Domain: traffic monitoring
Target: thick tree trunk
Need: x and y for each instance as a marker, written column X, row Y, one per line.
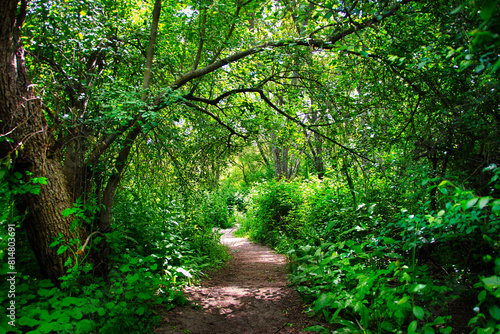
column 31, row 148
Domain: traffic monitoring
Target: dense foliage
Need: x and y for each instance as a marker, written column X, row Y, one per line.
column 359, row 137
column 385, row 266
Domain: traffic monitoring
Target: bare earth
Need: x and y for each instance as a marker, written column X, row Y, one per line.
column 249, row 295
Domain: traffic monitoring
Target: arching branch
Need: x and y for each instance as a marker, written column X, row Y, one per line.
column 281, row 112
column 215, row 117
column 326, row 44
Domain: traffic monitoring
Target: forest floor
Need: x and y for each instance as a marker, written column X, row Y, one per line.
column 250, row 294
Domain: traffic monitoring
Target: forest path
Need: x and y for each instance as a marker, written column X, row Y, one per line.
column 249, row 295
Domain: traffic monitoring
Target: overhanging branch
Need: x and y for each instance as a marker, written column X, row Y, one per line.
column 272, row 105
column 326, row 44
column 215, row 117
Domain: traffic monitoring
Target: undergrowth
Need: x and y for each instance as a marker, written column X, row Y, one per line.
column 156, row 248
column 391, row 265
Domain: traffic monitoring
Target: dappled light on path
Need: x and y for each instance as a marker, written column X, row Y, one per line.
column 250, row 295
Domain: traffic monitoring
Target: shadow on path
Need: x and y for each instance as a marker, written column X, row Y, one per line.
column 249, row 295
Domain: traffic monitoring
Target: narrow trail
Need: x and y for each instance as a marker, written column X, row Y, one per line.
column 249, row 295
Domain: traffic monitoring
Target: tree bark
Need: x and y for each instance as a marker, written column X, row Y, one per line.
column 31, row 148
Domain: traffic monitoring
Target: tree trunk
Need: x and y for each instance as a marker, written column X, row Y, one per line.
column 263, row 154
column 31, row 148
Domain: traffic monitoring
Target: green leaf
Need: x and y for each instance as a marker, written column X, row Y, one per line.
column 387, row 326
column 61, row 249
column 101, row 311
column 140, row 310
column 84, row 326
column 418, row 312
column 46, row 292
column 64, row 318
column 412, row 328
column 143, row 295
column 470, row 203
column 389, row 241
column 49, row 327
column 483, row 201
column 491, row 282
column 77, row 314
column 68, row 211
column 46, row 283
column 26, row 321
column 124, row 268
column 67, row 301
column 429, row 330
column 494, row 312
column 316, row 328
column 324, row 300
column 416, row 287
column 403, row 300
column 482, row 295
column 35, row 191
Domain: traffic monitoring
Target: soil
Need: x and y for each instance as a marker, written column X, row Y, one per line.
column 249, row 295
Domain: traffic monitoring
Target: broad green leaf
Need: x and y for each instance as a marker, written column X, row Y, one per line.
column 429, row 330
column 124, row 268
column 45, row 283
column 416, row 287
column 77, row 314
column 68, row 301
column 418, row 312
column 389, row 241
column 324, row 300
column 483, row 201
column 482, row 295
column 403, row 300
column 49, row 327
column 84, row 326
column 46, row 292
column 494, row 312
column 142, row 295
column 491, row 282
column 26, row 321
column 412, row 328
column 470, row 203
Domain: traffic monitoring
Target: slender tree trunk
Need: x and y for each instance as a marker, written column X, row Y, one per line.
column 100, row 258
column 349, row 182
column 31, row 148
column 278, row 172
column 263, row 154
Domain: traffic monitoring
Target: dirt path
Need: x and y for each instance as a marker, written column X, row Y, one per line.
column 249, row 295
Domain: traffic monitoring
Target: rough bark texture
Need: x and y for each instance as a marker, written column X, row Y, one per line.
column 30, row 146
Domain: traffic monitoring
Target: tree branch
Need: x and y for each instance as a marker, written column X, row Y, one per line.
column 215, row 117
column 202, row 39
column 272, row 105
column 309, row 42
